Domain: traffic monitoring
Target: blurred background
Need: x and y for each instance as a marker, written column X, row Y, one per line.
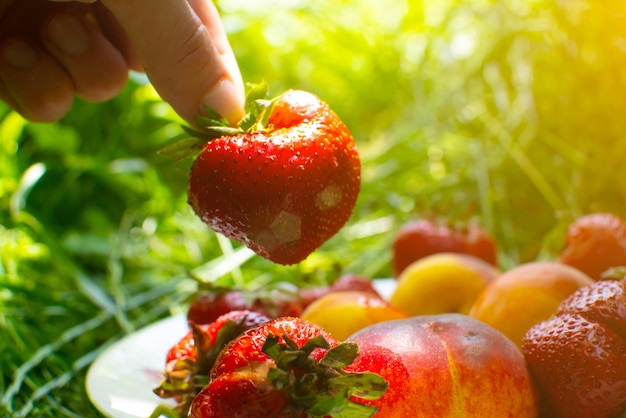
column 507, row 113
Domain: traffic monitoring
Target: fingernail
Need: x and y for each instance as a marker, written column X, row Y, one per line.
column 232, row 67
column 68, row 33
column 227, row 100
column 19, row 54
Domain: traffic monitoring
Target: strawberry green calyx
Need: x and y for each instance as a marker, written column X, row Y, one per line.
column 322, row 388
column 212, row 125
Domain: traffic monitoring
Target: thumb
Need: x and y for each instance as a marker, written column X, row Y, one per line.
column 185, row 53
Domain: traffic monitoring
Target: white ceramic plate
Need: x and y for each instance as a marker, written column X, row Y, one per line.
column 120, row 381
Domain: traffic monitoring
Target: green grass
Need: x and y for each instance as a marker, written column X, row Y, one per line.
column 509, row 113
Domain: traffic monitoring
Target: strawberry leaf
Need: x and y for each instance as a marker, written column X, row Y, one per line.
column 218, row 131
column 179, row 149
column 211, row 118
column 271, row 347
column 165, row 411
column 208, row 351
column 257, row 108
column 326, row 406
column 263, row 120
column 354, row 410
column 364, row 385
column 248, row 122
column 614, row 273
column 255, row 93
column 315, row 342
column 341, row 356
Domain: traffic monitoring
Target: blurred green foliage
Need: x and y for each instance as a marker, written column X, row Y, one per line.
column 508, row 113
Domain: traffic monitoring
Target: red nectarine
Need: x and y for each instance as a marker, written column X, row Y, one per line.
column 447, row 365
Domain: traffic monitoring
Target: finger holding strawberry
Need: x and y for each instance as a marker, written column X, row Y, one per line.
column 283, row 182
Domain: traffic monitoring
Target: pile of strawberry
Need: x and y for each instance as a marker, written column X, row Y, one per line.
column 218, row 316
column 245, row 364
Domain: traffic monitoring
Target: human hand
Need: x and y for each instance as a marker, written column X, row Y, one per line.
column 51, row 51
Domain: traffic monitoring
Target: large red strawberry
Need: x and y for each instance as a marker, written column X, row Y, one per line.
column 189, row 361
column 282, row 183
column 287, row 367
column 578, row 357
column 595, row 243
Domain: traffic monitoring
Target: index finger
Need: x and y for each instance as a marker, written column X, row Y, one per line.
column 185, row 52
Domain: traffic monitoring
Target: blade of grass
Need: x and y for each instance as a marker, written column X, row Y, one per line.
column 86, row 285
column 68, row 336
column 223, row 265
column 481, row 171
column 115, row 272
column 46, row 350
column 226, row 246
column 534, row 174
column 61, row 380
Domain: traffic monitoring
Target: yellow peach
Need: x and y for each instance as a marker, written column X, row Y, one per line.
column 442, row 283
column 343, row 313
column 526, row 295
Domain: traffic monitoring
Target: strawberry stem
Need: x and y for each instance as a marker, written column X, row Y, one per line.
column 212, row 125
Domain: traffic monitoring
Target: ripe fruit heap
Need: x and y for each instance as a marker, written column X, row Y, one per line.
column 287, row 367
column 578, row 357
column 440, row 365
column 283, row 182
